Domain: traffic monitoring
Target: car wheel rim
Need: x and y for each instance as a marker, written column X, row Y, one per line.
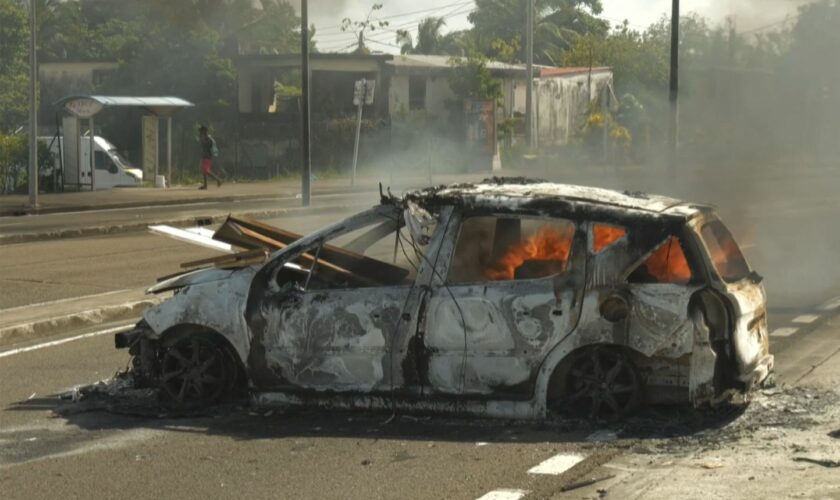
column 603, row 384
column 193, row 372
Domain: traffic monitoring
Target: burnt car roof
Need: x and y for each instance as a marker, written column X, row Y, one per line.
column 510, row 194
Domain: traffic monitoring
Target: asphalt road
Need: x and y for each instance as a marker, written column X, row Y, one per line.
column 240, row 453
column 65, row 268
column 120, row 217
column 786, row 223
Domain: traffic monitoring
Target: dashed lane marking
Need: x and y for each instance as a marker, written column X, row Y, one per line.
column 806, row 319
column 557, row 464
column 504, row 494
column 21, row 350
column 783, row 332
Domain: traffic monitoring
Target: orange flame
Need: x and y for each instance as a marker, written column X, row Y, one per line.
column 549, row 244
column 605, row 236
column 668, row 263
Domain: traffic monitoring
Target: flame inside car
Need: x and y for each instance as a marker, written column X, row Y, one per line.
column 547, row 249
column 668, row 263
column 604, row 236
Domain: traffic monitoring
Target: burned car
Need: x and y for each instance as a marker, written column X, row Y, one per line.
column 509, row 298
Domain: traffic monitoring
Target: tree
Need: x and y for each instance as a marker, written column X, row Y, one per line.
column 14, row 77
column 359, row 28
column 429, row 38
column 638, row 60
column 470, row 79
column 557, row 24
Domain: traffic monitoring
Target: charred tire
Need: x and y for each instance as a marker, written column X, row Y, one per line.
column 601, row 382
column 196, row 371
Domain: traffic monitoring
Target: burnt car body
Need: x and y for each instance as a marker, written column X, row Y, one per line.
column 508, row 298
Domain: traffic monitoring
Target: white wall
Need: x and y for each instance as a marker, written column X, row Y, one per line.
column 438, row 93
column 398, row 95
column 561, row 105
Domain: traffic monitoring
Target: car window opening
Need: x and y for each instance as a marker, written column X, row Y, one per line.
column 380, row 254
column 725, row 253
column 507, row 248
column 604, row 236
column 667, row 264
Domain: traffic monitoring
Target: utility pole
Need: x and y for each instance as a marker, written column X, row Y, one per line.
column 33, row 111
column 306, row 150
column 529, row 69
column 673, row 131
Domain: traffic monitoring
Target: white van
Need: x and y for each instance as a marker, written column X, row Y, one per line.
column 112, row 169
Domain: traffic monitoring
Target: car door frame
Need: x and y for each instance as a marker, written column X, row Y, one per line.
column 440, row 380
column 272, row 362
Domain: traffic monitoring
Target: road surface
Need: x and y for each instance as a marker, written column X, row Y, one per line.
column 788, row 225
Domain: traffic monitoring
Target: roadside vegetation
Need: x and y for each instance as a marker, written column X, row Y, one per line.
column 766, row 91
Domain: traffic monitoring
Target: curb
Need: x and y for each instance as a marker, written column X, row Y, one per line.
column 90, row 317
column 11, row 239
column 23, row 210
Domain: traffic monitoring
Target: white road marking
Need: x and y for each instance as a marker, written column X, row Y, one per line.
column 557, row 464
column 806, row 319
column 64, row 341
column 830, row 305
column 61, row 301
column 784, row 332
column 504, row 494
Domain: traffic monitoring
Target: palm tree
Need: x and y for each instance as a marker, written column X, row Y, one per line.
column 429, row 38
column 557, row 23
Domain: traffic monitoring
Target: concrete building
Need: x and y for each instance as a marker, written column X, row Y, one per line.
column 415, row 83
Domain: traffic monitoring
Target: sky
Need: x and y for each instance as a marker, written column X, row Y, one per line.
column 404, row 14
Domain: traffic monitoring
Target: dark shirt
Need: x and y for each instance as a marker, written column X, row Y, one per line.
column 206, row 147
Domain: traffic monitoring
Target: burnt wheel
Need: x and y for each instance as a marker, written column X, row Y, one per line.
column 195, row 372
column 603, row 383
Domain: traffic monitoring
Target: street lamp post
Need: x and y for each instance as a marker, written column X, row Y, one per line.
column 306, row 151
column 673, row 131
column 33, row 111
column 529, row 77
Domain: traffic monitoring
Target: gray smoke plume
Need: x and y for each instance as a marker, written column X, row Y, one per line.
column 751, row 14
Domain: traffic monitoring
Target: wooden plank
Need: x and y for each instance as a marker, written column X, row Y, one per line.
column 322, row 263
column 230, row 233
column 356, row 263
column 228, row 259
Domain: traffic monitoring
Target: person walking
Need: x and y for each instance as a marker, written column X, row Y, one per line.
column 209, row 150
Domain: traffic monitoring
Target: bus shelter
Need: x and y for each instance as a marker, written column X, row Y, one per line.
column 86, row 107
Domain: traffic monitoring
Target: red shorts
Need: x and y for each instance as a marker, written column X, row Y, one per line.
column 206, row 165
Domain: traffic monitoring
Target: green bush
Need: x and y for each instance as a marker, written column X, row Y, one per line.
column 14, row 160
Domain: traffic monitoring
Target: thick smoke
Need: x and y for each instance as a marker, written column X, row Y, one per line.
column 750, row 14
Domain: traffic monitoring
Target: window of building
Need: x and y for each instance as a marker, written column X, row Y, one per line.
column 417, row 92
column 667, row 264
column 507, row 248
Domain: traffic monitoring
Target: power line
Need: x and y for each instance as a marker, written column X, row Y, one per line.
column 786, row 20
column 385, row 33
column 404, row 14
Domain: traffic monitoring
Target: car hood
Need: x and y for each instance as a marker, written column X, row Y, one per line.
column 136, row 172
column 191, row 278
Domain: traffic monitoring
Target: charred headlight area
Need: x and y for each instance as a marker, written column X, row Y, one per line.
column 144, row 350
